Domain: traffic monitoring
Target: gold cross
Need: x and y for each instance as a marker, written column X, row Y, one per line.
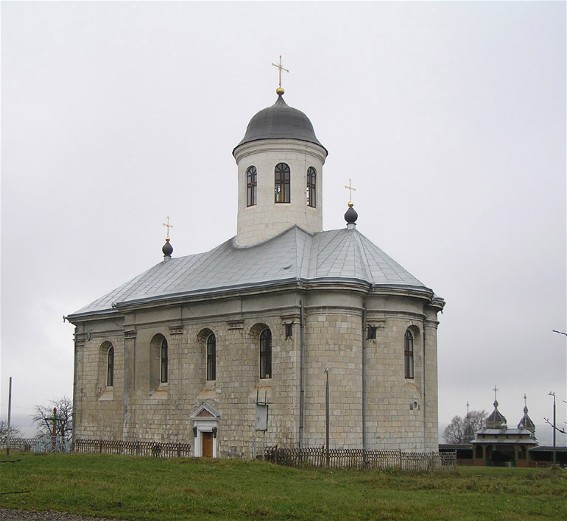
column 280, row 69
column 350, row 189
column 168, row 226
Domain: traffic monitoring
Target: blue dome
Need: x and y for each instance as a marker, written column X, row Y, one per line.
column 280, row 121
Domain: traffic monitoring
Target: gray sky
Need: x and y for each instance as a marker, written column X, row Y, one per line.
column 449, row 118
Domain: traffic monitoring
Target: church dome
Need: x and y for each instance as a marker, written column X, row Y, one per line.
column 496, row 420
column 526, row 422
column 280, row 121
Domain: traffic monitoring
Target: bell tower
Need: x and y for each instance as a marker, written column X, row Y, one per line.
column 280, row 174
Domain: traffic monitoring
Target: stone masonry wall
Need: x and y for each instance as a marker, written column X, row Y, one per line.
column 401, row 413
column 333, row 341
column 98, row 408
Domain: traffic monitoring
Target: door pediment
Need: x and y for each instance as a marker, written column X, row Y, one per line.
column 204, row 411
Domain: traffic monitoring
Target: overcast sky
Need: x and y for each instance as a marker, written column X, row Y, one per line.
column 449, row 118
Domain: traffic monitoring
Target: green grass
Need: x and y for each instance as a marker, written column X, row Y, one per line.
column 157, row 489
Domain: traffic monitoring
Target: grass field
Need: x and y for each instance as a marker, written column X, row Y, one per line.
column 158, row 489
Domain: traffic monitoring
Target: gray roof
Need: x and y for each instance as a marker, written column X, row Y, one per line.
column 497, row 436
column 294, row 255
column 280, row 121
column 507, row 432
column 550, row 448
column 505, row 441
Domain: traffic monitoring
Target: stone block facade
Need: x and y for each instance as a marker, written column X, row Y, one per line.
column 371, row 401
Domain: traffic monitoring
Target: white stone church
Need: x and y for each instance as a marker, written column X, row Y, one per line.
column 231, row 349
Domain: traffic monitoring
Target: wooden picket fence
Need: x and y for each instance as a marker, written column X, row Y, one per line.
column 361, row 459
column 133, row 448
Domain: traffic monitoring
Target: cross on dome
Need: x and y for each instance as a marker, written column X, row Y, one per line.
column 525, row 404
column 167, row 247
column 168, row 226
column 280, row 90
column 350, row 189
column 351, row 215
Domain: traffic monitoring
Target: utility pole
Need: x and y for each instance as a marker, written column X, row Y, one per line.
column 554, row 429
column 327, row 416
column 9, row 417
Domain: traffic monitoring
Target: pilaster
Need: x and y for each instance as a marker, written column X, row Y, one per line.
column 129, row 417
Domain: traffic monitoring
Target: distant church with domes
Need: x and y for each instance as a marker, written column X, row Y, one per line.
column 496, row 444
column 230, row 350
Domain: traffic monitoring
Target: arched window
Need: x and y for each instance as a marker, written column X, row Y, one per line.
column 211, row 357
column 266, row 354
column 408, row 354
column 281, row 188
column 110, row 367
column 251, row 186
column 311, row 187
column 163, row 361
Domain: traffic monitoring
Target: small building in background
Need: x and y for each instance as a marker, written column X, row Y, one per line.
column 498, row 445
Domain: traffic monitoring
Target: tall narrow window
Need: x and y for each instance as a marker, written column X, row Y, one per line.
column 266, row 354
column 163, row 361
column 251, row 186
column 408, row 354
column 281, row 188
column 211, row 357
column 311, row 187
column 110, row 367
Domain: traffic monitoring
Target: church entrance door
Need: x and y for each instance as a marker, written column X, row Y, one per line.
column 207, row 444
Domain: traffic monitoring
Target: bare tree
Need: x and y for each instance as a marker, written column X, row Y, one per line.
column 562, row 431
column 462, row 430
column 14, row 431
column 56, row 417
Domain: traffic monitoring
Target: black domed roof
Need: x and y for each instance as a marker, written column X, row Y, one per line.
column 280, row 121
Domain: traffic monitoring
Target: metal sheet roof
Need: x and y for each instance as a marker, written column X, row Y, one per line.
column 506, row 432
column 505, row 441
column 280, row 121
column 336, row 255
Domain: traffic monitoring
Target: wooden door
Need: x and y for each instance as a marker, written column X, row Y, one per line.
column 207, row 444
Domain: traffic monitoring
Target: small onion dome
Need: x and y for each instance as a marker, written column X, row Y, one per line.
column 496, row 420
column 167, row 249
column 350, row 215
column 526, row 422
